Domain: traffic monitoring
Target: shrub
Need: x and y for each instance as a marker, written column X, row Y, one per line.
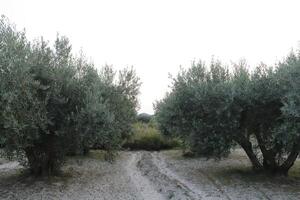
column 144, row 117
column 213, row 110
column 149, row 138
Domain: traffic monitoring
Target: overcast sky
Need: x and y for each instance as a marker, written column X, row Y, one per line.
column 157, row 36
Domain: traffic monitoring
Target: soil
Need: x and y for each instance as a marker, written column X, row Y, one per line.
column 150, row 176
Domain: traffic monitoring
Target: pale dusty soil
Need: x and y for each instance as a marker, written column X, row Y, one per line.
column 150, row 176
column 86, row 178
column 231, row 178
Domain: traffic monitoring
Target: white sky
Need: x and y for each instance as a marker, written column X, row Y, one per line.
column 157, row 36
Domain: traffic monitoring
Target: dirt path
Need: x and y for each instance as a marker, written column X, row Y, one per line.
column 162, row 181
column 135, row 176
column 145, row 175
column 144, row 186
column 173, row 186
column 217, row 189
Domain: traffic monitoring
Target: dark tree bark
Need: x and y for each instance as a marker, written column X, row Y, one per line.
column 269, row 163
column 44, row 160
column 289, row 162
column 247, row 146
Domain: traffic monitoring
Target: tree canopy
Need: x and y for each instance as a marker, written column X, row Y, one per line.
column 54, row 103
column 214, row 109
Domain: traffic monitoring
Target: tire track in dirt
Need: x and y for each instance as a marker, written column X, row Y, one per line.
column 147, row 191
column 162, row 166
column 159, row 160
column 216, row 185
column 167, row 184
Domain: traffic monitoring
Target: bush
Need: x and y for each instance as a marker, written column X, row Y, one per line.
column 144, row 117
column 53, row 103
column 213, row 109
column 149, row 138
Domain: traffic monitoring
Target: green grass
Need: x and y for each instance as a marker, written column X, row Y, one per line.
column 147, row 137
column 295, row 170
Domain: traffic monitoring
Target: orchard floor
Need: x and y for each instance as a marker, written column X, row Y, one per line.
column 150, row 175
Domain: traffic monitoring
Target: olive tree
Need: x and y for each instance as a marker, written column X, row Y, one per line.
column 53, row 103
column 214, row 110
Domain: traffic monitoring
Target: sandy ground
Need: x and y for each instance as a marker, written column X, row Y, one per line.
column 85, row 178
column 149, row 176
column 231, row 178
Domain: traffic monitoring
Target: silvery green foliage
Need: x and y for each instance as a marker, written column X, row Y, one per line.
column 53, row 103
column 288, row 72
column 212, row 110
column 194, row 109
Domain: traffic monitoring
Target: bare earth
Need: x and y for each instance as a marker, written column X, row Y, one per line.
column 150, row 176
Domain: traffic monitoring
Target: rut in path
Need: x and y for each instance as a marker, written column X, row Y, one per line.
column 166, row 184
column 147, row 191
column 160, row 162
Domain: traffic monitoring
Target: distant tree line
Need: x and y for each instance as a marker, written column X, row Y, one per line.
column 144, row 117
column 214, row 108
column 54, row 103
